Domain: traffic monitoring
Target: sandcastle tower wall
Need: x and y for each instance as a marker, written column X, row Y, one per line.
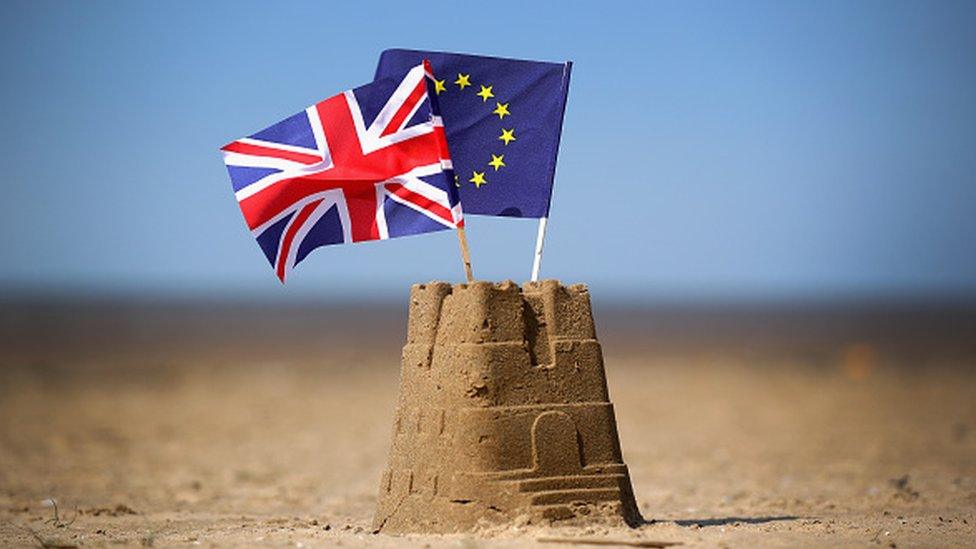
column 503, row 411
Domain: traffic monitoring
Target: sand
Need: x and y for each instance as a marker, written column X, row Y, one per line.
column 503, row 414
column 230, row 425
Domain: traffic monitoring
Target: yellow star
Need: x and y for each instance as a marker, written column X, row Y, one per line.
column 463, row 80
column 507, row 135
column 478, row 178
column 501, row 110
column 456, row 183
column 439, row 86
column 497, row 161
column 485, row 93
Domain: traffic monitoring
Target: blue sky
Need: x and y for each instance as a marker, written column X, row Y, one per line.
column 710, row 150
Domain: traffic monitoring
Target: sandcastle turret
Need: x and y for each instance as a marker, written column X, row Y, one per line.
column 503, row 412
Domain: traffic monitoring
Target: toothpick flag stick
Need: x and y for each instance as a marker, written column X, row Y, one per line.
column 465, row 254
column 537, row 262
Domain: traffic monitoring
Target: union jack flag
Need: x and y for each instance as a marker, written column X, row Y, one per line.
column 367, row 164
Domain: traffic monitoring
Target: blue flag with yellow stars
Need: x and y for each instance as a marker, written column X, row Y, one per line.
column 503, row 118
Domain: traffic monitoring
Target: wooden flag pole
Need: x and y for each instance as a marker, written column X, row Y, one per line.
column 540, row 238
column 465, row 254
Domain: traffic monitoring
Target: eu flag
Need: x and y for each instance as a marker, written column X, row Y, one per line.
column 503, row 118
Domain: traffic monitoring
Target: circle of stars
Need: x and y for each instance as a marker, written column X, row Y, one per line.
column 485, row 92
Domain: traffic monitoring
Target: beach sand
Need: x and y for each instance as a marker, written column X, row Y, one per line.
column 162, row 424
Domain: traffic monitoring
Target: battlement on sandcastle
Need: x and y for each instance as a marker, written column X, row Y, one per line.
column 503, row 413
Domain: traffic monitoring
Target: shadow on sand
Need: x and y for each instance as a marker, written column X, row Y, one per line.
column 724, row 521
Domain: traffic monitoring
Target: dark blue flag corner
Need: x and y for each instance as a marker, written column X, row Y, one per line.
column 503, row 119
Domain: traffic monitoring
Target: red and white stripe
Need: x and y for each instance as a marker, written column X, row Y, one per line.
column 386, row 160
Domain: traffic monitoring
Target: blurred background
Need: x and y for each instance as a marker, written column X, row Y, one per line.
column 712, row 151
column 774, row 205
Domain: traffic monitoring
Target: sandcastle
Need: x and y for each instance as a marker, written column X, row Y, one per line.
column 503, row 413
